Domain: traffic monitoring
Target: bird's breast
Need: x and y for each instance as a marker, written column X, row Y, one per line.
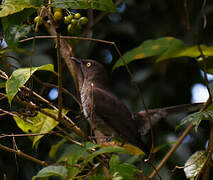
column 88, row 106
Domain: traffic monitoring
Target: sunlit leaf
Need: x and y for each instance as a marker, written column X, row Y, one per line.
column 194, row 164
column 162, row 146
column 14, row 6
column 59, row 171
column 40, row 123
column 130, row 149
column 19, row 77
column 103, row 5
column 163, row 49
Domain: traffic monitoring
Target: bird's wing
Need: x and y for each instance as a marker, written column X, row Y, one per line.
column 114, row 113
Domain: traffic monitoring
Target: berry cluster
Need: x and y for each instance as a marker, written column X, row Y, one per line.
column 58, row 14
column 74, row 21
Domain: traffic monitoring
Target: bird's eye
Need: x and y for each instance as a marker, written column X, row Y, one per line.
column 89, row 64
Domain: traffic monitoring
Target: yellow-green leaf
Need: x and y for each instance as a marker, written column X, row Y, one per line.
column 163, row 48
column 40, row 123
column 19, row 77
column 130, row 149
column 103, row 5
column 13, row 6
column 54, row 148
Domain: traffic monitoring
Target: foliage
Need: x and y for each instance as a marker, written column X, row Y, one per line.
column 194, row 164
column 20, row 77
column 39, row 124
column 103, row 5
column 73, row 155
column 164, row 48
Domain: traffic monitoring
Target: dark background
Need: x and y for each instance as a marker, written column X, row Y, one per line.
column 163, row 84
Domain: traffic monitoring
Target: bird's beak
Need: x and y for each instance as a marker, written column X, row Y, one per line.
column 75, row 59
column 78, row 71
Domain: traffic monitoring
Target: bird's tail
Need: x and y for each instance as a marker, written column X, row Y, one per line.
column 142, row 118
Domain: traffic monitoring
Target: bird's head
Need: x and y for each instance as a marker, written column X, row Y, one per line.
column 92, row 71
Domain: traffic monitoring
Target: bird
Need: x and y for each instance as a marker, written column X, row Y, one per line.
column 106, row 113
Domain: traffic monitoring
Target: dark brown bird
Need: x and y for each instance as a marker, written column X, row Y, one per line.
column 106, row 113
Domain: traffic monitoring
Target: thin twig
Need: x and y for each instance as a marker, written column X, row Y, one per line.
column 10, row 113
column 171, row 151
column 192, row 163
column 206, row 167
column 202, row 11
column 4, row 75
column 188, row 25
column 59, row 78
column 26, row 135
column 205, row 70
column 141, row 98
column 12, row 57
column 55, row 86
column 102, row 15
column 21, row 154
column 67, row 37
column 181, row 138
column 69, row 137
column 178, row 142
column 67, row 122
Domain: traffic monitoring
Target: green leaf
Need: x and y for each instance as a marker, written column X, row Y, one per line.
column 19, row 77
column 15, row 33
column 77, row 155
column 97, row 177
column 36, row 3
column 150, row 48
column 2, row 84
column 163, row 48
column 193, row 51
column 60, row 171
column 194, row 164
column 103, row 5
column 54, row 148
column 13, row 6
column 113, row 163
column 122, row 171
column 74, row 152
column 73, row 155
column 194, row 118
column 197, row 117
column 14, row 29
column 114, row 149
column 40, row 123
column 162, row 146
